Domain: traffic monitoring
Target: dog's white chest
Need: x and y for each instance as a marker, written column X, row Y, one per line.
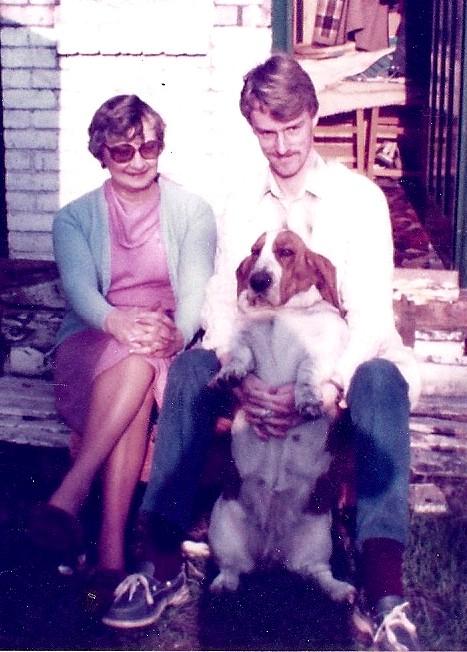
column 278, row 346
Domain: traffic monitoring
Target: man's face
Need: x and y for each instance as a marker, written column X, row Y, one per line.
column 286, row 145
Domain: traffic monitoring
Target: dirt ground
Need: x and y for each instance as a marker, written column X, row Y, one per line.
column 41, row 609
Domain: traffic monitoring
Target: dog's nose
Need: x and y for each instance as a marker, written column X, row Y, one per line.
column 260, row 281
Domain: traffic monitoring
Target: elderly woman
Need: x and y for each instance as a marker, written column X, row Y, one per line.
column 134, row 258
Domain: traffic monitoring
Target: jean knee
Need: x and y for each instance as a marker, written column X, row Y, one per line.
column 194, row 364
column 378, row 379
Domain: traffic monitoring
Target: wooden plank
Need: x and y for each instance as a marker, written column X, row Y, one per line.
column 437, row 442
column 45, row 294
column 439, row 426
column 429, row 465
column 427, row 498
column 441, row 315
column 449, row 407
column 25, row 388
column 443, row 379
column 40, row 432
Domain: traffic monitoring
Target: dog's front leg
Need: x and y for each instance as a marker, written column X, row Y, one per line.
column 240, row 363
column 308, row 397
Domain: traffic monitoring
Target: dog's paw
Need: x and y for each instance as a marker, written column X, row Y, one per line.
column 343, row 592
column 227, row 378
column 225, row 581
column 308, row 401
column 311, row 407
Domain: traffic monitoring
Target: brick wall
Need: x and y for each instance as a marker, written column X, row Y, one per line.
column 62, row 58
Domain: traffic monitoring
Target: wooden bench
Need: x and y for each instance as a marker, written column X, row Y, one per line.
column 431, row 316
column 438, row 429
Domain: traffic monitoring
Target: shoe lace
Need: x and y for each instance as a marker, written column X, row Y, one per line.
column 397, row 617
column 131, row 583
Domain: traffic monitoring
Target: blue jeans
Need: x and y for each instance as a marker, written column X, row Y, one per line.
column 379, row 413
column 184, row 428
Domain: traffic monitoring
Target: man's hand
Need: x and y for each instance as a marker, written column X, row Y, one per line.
column 270, row 410
column 333, row 398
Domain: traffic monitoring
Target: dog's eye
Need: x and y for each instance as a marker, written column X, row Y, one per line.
column 283, row 252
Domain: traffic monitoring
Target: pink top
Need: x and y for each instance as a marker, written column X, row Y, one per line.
column 139, row 269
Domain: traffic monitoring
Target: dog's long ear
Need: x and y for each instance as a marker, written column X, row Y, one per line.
column 245, row 267
column 326, row 277
column 243, row 273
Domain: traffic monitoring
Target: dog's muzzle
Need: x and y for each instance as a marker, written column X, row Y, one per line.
column 260, row 281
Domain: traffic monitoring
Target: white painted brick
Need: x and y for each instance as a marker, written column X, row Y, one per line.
column 35, row 242
column 28, row 255
column 226, row 15
column 31, row 139
column 256, row 16
column 240, row 3
column 31, row 181
column 24, row 221
column 47, row 202
column 15, row 2
column 43, row 36
column 45, row 79
column 16, row 119
column 28, row 15
column 46, row 161
column 29, row 99
column 45, row 119
column 171, row 26
column 16, row 78
column 17, row 159
column 39, row 57
column 20, row 201
column 251, row 46
column 14, row 36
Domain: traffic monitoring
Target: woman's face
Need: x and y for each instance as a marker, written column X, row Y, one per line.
column 138, row 174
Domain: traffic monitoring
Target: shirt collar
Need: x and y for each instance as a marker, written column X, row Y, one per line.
column 314, row 182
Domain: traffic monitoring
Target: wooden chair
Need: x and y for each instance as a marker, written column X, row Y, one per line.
column 389, row 124
column 342, row 137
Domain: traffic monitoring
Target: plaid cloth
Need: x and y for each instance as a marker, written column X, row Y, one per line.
column 328, row 18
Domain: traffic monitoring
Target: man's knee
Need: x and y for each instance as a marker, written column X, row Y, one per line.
column 195, row 365
column 378, row 378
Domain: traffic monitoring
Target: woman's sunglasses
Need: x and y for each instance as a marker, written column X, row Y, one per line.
column 125, row 152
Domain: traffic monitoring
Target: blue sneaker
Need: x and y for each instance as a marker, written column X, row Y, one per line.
column 141, row 599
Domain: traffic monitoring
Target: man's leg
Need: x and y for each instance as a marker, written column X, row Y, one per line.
column 379, row 413
column 184, row 429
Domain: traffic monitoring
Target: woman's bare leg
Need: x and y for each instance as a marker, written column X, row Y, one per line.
column 120, row 475
column 117, row 397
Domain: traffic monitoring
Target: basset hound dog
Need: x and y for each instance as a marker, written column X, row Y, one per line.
column 290, row 331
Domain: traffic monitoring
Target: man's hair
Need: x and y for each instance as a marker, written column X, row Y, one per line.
column 122, row 116
column 280, row 87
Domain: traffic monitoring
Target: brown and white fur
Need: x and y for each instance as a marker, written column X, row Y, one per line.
column 290, row 332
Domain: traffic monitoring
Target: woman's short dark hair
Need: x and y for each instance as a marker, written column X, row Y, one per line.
column 122, row 116
column 279, row 86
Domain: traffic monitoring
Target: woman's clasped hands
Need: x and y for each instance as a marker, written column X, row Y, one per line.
column 145, row 332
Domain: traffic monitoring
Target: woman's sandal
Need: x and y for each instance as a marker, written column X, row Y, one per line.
column 55, row 530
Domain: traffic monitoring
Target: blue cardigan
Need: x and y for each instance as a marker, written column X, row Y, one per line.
column 82, row 252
